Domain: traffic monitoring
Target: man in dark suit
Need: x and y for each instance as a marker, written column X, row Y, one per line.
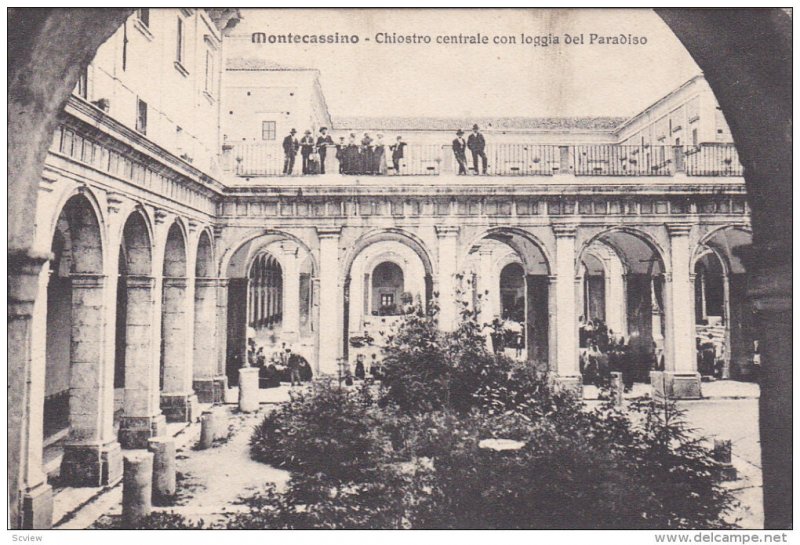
column 323, row 141
column 477, row 145
column 290, row 147
column 460, row 151
column 397, row 153
column 306, row 149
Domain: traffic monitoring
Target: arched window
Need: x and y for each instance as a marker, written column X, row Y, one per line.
column 387, row 289
column 265, row 287
column 512, row 292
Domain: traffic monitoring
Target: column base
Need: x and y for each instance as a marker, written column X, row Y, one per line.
column 91, row 465
column 675, row 385
column 37, row 508
column 179, row 407
column 572, row 384
column 134, row 431
column 210, row 390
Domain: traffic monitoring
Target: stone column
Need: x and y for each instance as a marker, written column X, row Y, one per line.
column 680, row 379
column 142, row 415
column 615, row 299
column 448, row 252
column 486, row 286
column 726, row 317
column 566, row 326
column 221, row 378
column 30, row 497
column 90, row 458
column 178, row 402
column 330, row 334
column 291, row 294
column 204, row 351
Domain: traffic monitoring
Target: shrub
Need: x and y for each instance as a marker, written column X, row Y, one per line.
column 415, row 460
column 157, row 520
column 330, row 429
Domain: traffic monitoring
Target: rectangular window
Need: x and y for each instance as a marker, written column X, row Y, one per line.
column 143, row 14
column 83, row 83
column 179, row 45
column 268, row 130
column 209, row 81
column 141, row 116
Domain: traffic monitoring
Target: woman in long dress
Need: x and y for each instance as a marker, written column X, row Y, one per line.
column 351, row 156
column 366, row 155
column 379, row 156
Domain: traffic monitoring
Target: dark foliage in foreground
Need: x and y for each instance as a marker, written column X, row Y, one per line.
column 457, row 437
column 415, row 458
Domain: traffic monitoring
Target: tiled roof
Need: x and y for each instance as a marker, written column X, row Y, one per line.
column 258, row 64
column 485, row 123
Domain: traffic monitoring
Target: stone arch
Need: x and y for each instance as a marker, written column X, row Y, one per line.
column 362, row 312
column 391, row 234
column 175, row 369
column 727, row 255
column 208, row 381
column 90, row 199
column 175, row 252
column 137, row 244
column 270, row 235
column 482, row 288
column 612, row 237
column 75, row 377
column 502, row 234
column 204, row 256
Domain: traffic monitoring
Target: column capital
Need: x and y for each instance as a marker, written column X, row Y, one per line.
column 329, row 232
column 87, row 281
column 446, row 231
column 175, row 282
column 140, row 281
column 679, row 229
column 206, row 282
column 564, row 230
column 24, row 267
column 223, row 282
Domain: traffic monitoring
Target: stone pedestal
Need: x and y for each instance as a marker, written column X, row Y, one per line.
column 617, row 387
column 180, row 407
column 137, row 487
column 675, row 385
column 210, row 390
column 208, row 430
column 134, row 431
column 91, row 465
column 248, row 389
column 37, row 508
column 572, row 384
column 722, row 454
column 164, row 487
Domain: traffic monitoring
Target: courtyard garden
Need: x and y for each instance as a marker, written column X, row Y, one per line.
column 456, row 437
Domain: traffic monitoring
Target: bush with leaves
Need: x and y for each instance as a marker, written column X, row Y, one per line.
column 416, row 460
column 329, row 429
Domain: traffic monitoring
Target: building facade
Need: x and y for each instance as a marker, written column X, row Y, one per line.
column 173, row 240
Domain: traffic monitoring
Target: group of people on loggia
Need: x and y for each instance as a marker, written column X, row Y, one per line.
column 366, row 156
column 371, row 156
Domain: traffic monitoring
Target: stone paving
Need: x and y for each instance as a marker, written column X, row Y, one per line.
column 210, row 481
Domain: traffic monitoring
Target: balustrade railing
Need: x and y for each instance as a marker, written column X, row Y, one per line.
column 613, row 160
column 257, row 159
column 712, row 160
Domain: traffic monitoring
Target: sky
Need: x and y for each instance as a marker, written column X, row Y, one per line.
column 492, row 80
